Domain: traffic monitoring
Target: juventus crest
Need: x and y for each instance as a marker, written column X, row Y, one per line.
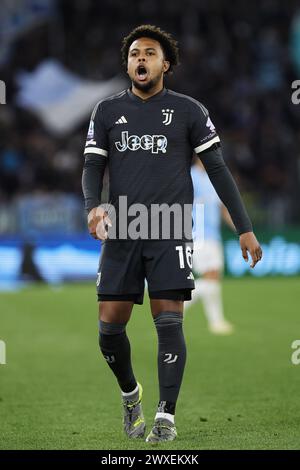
column 167, row 114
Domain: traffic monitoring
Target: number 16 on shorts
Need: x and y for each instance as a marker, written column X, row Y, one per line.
column 185, row 255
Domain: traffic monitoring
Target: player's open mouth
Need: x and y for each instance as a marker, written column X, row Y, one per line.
column 141, row 73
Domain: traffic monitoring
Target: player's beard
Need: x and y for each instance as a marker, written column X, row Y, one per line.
column 148, row 85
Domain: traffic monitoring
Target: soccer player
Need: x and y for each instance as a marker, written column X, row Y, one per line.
column 208, row 259
column 147, row 135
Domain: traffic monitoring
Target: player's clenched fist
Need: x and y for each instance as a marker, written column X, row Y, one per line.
column 98, row 221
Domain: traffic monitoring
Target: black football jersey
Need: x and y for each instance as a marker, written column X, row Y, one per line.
column 149, row 145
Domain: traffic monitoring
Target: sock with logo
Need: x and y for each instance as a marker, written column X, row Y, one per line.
column 115, row 347
column 171, row 361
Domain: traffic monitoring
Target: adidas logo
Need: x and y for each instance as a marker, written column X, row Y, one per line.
column 191, row 276
column 122, row 120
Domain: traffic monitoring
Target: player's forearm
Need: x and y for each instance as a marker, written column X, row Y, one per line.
column 226, row 189
column 92, row 180
column 227, row 219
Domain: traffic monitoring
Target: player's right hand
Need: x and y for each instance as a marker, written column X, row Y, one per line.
column 98, row 221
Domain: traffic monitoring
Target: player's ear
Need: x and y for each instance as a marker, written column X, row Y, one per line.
column 166, row 66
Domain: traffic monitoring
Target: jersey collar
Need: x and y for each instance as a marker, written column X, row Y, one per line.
column 136, row 98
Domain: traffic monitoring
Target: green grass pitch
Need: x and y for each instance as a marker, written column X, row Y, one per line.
column 239, row 392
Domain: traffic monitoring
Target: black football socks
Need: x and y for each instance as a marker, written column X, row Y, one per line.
column 115, row 347
column 171, row 361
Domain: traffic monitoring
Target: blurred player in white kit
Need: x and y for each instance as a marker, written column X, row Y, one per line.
column 208, row 258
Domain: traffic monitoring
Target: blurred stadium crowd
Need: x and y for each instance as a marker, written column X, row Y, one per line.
column 239, row 58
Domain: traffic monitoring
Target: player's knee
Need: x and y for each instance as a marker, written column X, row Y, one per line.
column 165, row 305
column 115, row 312
column 105, row 312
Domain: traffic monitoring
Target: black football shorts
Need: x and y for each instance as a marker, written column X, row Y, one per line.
column 125, row 264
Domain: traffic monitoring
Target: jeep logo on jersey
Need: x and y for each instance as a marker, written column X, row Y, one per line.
column 155, row 143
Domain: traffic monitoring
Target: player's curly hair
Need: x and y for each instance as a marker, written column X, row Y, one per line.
column 168, row 44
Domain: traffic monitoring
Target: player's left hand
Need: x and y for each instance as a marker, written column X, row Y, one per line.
column 250, row 244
